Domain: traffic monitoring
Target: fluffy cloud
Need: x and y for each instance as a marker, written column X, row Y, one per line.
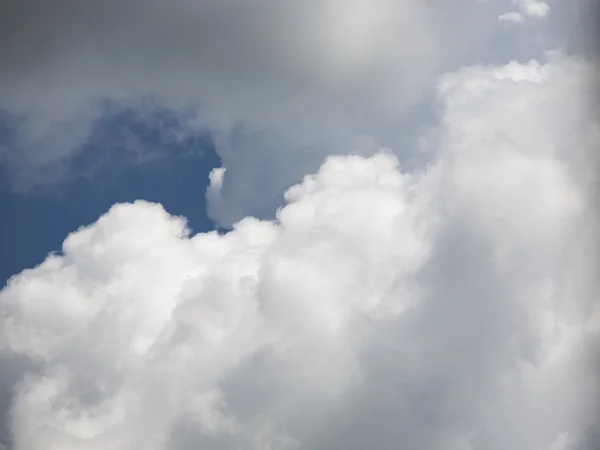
column 533, row 8
column 512, row 16
column 526, row 8
column 435, row 308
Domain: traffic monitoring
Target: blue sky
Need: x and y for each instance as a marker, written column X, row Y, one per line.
column 35, row 223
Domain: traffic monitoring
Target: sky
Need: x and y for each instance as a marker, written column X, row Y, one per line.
column 107, row 171
column 328, row 224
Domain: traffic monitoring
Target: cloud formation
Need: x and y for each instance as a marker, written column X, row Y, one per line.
column 58, row 59
column 512, row 16
column 434, row 308
column 278, row 86
column 533, row 8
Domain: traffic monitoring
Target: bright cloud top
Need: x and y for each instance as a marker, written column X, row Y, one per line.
column 384, row 308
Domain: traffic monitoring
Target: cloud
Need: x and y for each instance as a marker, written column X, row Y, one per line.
column 384, row 307
column 278, row 86
column 232, row 58
column 533, row 8
column 513, row 16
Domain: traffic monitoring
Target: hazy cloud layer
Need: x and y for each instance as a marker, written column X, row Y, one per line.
column 447, row 307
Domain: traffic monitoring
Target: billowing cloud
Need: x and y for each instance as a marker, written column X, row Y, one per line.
column 384, row 308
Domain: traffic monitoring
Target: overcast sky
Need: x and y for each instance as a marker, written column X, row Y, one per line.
column 327, row 224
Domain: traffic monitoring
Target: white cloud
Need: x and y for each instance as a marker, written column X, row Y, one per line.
column 512, row 16
column 384, row 308
column 533, row 8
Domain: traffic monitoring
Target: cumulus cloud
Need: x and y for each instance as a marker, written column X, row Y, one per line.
column 383, row 308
